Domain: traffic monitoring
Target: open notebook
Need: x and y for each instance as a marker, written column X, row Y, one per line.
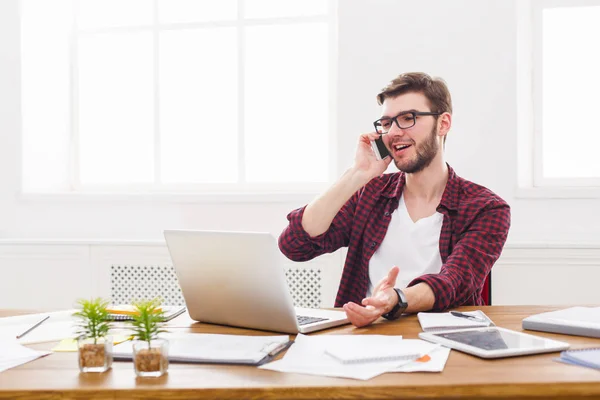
column 431, row 322
column 124, row 312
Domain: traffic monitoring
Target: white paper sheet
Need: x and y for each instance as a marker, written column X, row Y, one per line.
column 382, row 348
column 60, row 325
column 307, row 356
column 433, row 362
column 13, row 355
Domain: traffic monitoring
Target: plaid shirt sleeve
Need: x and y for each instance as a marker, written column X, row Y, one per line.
column 297, row 245
column 471, row 259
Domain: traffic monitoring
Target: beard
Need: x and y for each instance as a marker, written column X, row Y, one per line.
column 426, row 152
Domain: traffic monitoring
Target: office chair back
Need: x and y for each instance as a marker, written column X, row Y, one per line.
column 486, row 294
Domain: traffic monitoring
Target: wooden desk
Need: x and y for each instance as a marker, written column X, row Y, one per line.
column 57, row 375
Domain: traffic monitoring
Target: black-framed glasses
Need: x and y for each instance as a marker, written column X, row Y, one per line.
column 404, row 120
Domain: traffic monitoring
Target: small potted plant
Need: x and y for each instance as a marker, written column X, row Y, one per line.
column 150, row 353
column 93, row 342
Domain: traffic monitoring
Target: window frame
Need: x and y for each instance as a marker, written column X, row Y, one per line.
column 532, row 183
column 241, row 191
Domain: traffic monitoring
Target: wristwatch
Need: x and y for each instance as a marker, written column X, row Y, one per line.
column 399, row 308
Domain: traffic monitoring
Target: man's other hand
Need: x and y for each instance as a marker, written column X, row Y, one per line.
column 382, row 300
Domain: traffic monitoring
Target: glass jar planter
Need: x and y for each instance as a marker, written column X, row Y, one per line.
column 95, row 354
column 151, row 359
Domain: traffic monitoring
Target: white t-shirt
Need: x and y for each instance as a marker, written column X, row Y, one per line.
column 412, row 246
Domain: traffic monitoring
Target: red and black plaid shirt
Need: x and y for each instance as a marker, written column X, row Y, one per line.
column 476, row 223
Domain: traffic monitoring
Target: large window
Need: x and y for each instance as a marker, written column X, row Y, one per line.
column 172, row 95
column 566, row 84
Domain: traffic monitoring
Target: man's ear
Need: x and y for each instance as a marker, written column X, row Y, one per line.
column 444, row 123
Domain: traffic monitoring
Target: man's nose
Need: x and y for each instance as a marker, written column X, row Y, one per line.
column 395, row 130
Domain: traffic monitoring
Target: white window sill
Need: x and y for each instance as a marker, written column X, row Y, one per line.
column 558, row 193
column 80, row 242
column 201, row 198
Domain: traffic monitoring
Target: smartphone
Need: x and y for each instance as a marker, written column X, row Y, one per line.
column 379, row 148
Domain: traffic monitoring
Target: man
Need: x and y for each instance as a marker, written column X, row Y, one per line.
column 438, row 232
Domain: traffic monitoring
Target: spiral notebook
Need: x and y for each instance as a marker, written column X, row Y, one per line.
column 385, row 348
column 431, row 322
column 122, row 313
column 589, row 358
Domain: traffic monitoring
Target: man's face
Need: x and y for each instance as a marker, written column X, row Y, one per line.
column 413, row 148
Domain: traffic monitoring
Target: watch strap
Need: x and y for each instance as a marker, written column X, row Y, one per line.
column 399, row 308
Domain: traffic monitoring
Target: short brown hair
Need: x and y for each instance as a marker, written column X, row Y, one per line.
column 434, row 89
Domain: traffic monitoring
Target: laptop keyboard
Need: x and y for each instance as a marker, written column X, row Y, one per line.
column 304, row 320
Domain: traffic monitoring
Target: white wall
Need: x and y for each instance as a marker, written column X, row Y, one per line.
column 470, row 43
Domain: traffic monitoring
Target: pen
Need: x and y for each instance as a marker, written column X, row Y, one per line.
column 280, row 348
column 33, row 327
column 467, row 316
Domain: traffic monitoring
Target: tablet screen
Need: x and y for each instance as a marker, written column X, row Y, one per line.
column 493, row 339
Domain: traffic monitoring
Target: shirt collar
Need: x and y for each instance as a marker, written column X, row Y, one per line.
column 450, row 196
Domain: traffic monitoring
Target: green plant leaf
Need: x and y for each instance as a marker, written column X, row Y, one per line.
column 148, row 320
column 92, row 318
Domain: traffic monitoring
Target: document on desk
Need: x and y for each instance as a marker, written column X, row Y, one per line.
column 308, row 355
column 13, row 354
column 432, row 362
column 60, row 325
column 215, row 348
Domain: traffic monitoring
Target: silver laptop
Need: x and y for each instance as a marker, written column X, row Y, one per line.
column 238, row 279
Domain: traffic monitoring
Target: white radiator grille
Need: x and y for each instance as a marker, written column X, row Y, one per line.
column 132, row 282
column 305, row 286
column 137, row 282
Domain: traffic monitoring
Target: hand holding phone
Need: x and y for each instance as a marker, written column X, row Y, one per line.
column 379, row 148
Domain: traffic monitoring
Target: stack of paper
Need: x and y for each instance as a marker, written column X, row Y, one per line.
column 368, row 355
column 13, row 355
